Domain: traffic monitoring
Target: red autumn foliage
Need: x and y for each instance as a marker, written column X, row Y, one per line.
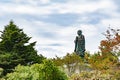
column 112, row 41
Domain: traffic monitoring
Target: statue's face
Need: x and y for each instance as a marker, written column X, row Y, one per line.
column 79, row 32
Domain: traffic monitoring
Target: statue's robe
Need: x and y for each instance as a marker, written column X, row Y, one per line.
column 80, row 45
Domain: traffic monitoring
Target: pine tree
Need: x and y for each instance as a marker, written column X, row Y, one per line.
column 15, row 48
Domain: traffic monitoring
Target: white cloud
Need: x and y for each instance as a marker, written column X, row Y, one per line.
column 74, row 7
column 45, row 1
column 113, row 23
column 69, row 7
column 43, row 42
column 25, row 9
column 32, row 2
column 89, row 30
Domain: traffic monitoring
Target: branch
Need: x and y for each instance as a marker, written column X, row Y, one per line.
column 1, row 31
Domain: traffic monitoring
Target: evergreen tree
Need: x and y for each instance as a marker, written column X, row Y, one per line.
column 15, row 48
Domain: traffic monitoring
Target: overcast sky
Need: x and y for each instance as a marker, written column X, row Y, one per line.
column 54, row 23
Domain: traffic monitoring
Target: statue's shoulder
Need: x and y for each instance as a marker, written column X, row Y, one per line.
column 82, row 36
column 76, row 37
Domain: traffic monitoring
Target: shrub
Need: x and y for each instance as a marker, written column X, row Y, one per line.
column 45, row 71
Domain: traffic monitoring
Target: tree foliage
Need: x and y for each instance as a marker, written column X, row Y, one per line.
column 98, row 62
column 45, row 71
column 111, row 45
column 69, row 63
column 15, row 48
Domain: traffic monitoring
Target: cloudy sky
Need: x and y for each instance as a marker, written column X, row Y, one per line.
column 54, row 23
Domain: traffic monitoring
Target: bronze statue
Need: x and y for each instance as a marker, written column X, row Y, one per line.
column 80, row 44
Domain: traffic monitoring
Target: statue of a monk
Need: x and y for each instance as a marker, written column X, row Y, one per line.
column 80, row 44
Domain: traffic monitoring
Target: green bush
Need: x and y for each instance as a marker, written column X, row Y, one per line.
column 45, row 71
column 1, row 71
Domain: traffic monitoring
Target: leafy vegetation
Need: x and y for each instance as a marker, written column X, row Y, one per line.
column 111, row 45
column 45, row 71
column 15, row 48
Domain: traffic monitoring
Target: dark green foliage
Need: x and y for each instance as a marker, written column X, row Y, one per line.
column 15, row 48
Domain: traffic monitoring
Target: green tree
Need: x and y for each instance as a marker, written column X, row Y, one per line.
column 15, row 48
column 58, row 61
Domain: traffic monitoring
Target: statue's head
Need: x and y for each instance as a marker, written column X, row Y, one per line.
column 79, row 32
